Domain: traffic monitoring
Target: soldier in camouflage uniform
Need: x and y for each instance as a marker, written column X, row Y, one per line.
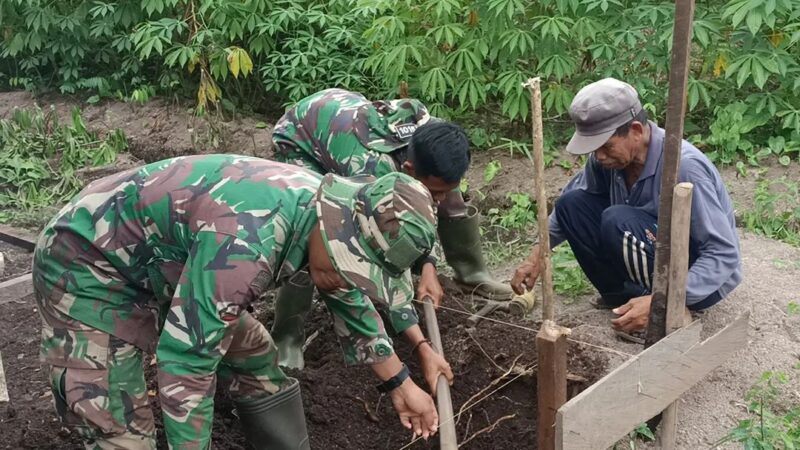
column 166, row 258
column 341, row 132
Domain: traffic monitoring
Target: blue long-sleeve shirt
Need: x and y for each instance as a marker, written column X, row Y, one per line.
column 712, row 233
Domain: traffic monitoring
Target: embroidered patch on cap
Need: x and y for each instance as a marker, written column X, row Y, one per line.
column 405, row 131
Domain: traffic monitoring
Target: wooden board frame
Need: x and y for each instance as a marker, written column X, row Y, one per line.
column 644, row 385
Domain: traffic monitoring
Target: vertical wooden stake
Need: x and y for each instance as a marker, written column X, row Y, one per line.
column 551, row 380
column 551, row 341
column 676, row 109
column 676, row 295
column 3, row 385
column 548, row 310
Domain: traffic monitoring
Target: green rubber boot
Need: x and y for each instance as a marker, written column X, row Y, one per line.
column 292, row 303
column 275, row 422
column 461, row 242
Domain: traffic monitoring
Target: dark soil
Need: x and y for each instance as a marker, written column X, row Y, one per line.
column 17, row 261
column 336, row 397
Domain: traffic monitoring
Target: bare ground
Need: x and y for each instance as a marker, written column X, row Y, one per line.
column 158, row 130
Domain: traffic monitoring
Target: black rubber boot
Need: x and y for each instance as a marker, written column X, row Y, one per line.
column 275, row 422
column 292, row 303
column 461, row 242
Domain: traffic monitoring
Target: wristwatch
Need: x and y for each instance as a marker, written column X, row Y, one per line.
column 394, row 382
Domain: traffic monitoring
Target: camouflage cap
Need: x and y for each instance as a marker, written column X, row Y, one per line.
column 391, row 124
column 374, row 231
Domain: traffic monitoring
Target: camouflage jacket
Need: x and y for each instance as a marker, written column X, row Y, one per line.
column 169, row 254
column 341, row 132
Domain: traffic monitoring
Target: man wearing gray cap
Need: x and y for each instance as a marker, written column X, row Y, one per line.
column 609, row 212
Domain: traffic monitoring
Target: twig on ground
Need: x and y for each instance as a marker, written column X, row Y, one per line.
column 310, row 340
column 372, row 417
column 378, row 404
column 480, row 347
column 488, row 429
column 494, row 382
column 469, row 421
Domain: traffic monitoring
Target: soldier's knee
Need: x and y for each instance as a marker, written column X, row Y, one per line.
column 86, row 404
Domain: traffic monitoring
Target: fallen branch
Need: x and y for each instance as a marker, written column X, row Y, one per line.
column 488, row 429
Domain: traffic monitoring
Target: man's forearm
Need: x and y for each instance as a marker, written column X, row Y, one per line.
column 414, row 335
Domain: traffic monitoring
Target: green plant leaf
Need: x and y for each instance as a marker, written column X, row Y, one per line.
column 491, row 171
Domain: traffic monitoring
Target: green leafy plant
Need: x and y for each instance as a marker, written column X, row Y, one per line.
column 481, row 138
column 568, row 278
column 640, row 433
column 776, row 212
column 728, row 133
column 40, row 159
column 491, row 170
column 766, row 428
column 520, row 216
column 464, row 58
column 514, row 147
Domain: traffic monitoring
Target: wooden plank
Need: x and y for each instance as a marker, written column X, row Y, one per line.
column 3, row 385
column 20, row 238
column 551, row 380
column 644, row 385
column 548, row 308
column 676, row 294
column 16, row 288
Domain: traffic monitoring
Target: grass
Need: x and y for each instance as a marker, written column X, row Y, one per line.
column 40, row 159
column 768, row 425
column 508, row 239
column 776, row 213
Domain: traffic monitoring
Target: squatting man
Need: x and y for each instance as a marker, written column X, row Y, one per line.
column 608, row 212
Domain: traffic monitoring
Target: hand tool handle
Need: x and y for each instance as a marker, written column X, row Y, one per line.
column 444, row 403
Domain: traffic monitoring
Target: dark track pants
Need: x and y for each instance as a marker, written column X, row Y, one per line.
column 614, row 245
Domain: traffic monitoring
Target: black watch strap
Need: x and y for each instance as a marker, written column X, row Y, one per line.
column 394, row 382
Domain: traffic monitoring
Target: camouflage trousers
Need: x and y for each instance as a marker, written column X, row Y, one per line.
column 99, row 387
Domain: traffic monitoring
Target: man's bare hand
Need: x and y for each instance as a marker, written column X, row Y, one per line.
column 429, row 285
column 634, row 315
column 416, row 409
column 433, row 364
column 527, row 272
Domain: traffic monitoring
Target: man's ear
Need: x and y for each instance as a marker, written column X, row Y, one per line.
column 638, row 128
column 408, row 168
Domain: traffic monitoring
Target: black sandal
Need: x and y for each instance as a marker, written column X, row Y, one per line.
column 636, row 337
column 599, row 303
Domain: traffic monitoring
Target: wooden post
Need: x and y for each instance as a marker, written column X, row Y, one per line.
column 679, row 259
column 551, row 380
column 676, row 296
column 551, row 341
column 548, row 310
column 3, row 385
column 676, row 109
column 444, row 403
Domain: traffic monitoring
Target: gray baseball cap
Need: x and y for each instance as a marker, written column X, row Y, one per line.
column 598, row 110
